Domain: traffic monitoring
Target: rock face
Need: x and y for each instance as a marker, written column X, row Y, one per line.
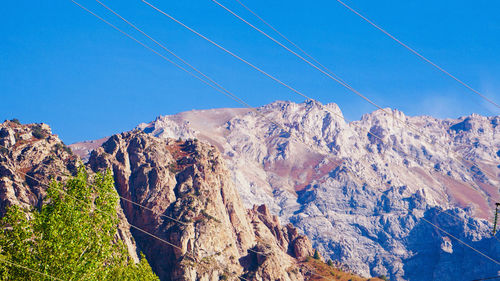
column 32, row 150
column 30, row 156
column 359, row 190
column 190, row 203
column 193, row 205
column 83, row 149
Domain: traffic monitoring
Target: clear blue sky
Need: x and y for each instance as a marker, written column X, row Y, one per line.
column 61, row 66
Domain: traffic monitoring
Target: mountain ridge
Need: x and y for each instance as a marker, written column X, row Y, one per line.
column 361, row 196
column 178, row 205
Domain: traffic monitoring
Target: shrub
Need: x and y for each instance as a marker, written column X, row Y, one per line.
column 38, row 132
column 316, row 255
column 15, row 121
column 383, row 277
column 330, row 262
column 62, row 146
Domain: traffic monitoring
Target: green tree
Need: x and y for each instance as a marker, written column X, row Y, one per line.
column 16, row 121
column 316, row 255
column 72, row 236
column 383, row 277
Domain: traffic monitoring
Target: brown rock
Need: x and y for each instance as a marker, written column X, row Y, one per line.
column 187, row 181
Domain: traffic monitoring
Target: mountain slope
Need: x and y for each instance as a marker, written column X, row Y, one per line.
column 195, row 206
column 361, row 197
column 201, row 229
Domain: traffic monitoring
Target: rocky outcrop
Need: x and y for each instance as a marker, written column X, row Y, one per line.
column 191, row 203
column 359, row 189
column 30, row 155
column 83, row 149
column 177, row 202
column 287, row 237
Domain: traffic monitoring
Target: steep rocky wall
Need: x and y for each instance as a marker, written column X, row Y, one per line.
column 337, row 181
column 30, row 157
column 40, row 155
column 187, row 200
column 213, row 233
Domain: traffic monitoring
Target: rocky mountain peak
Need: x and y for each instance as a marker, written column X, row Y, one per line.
column 196, row 207
column 29, row 156
column 329, row 177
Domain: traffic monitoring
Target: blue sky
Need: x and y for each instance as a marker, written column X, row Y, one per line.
column 61, row 66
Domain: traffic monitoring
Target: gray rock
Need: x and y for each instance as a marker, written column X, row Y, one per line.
column 359, row 190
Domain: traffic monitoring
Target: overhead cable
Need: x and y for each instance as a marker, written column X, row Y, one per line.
column 415, row 130
column 2, row 259
column 419, row 54
column 424, row 220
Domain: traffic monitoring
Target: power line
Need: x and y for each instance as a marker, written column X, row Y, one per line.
column 248, row 63
column 343, row 83
column 172, row 53
column 464, row 220
column 439, row 228
column 151, row 210
column 418, row 54
column 198, row 72
column 126, row 221
column 235, row 55
column 338, row 80
column 288, row 40
column 298, row 92
column 158, row 237
column 144, row 45
column 244, row 103
column 191, row 66
column 2, row 259
column 447, row 233
column 219, row 88
column 227, row 92
column 87, row 203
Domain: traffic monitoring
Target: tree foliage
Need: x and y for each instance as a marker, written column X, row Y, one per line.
column 71, row 237
column 316, row 255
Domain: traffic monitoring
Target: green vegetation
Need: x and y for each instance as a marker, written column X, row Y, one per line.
column 15, row 121
column 330, row 263
column 316, row 255
column 72, row 236
column 38, row 132
column 209, row 217
column 329, row 273
column 383, row 277
column 63, row 147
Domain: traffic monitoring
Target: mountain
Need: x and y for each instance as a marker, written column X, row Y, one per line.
column 196, row 207
column 178, row 205
column 365, row 192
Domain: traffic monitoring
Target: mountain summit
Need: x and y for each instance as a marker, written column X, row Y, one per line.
column 359, row 190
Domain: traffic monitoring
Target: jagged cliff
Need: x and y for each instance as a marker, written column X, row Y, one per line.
column 188, row 182
column 359, row 190
column 30, row 157
column 187, row 199
column 30, row 149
